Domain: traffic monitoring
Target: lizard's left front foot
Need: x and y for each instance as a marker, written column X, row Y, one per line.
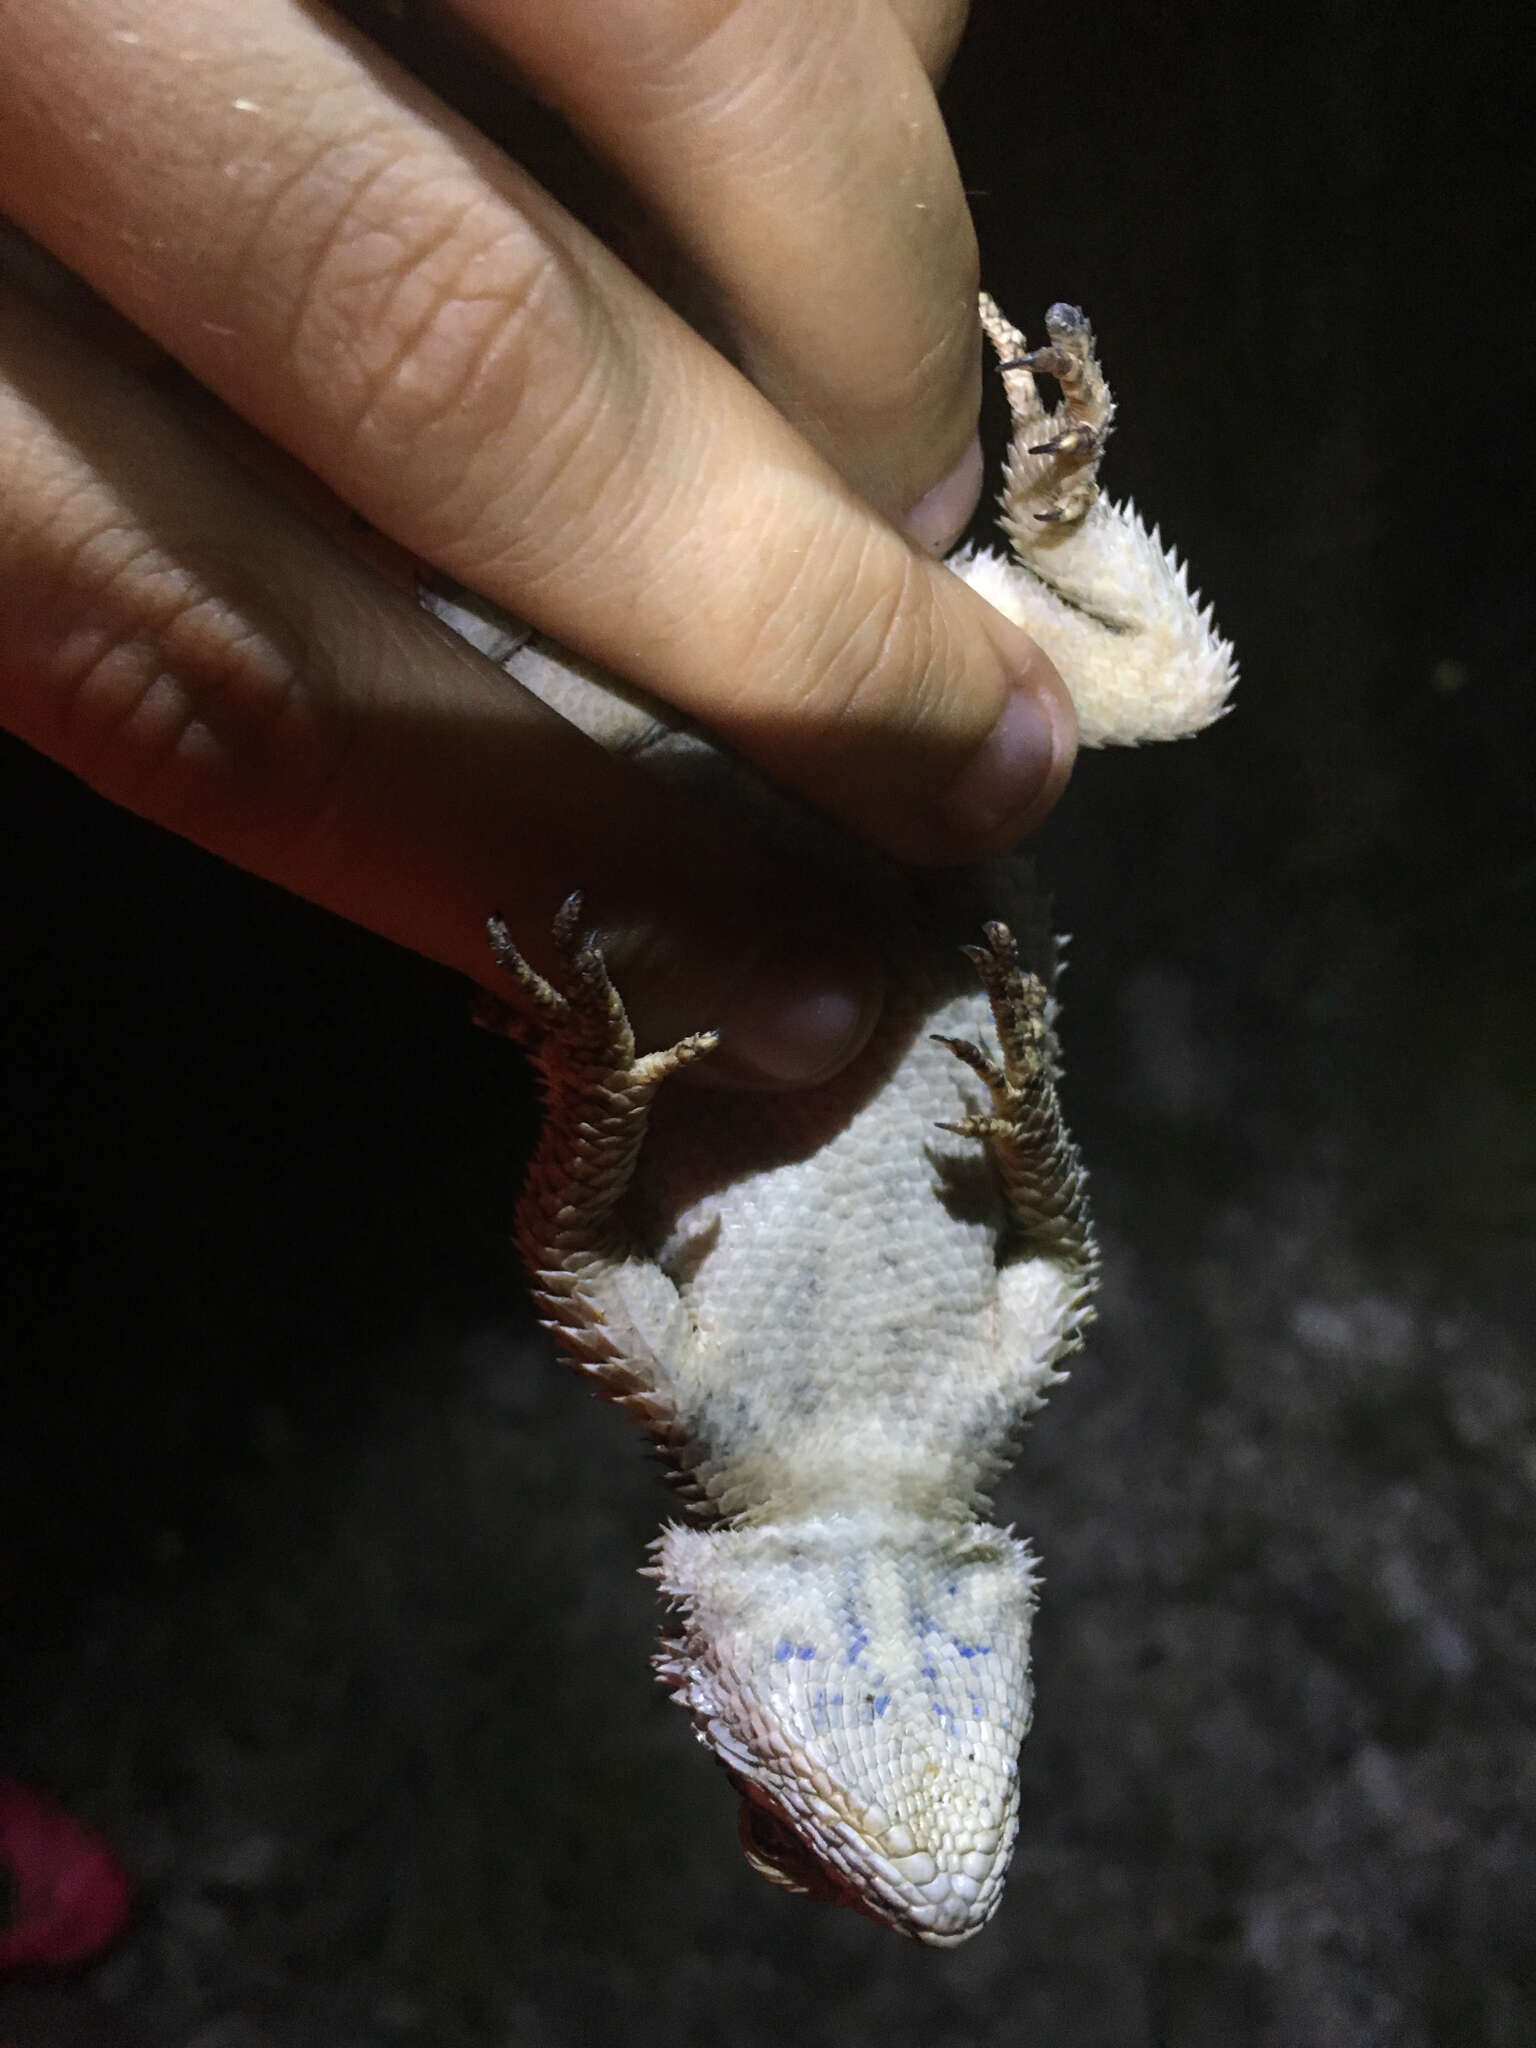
column 583, row 1023
column 1038, row 1162
column 598, row 1094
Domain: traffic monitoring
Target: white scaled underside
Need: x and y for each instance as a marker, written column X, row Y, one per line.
column 835, row 1315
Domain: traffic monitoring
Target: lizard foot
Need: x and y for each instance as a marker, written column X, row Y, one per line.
column 598, row 1094
column 1024, row 1131
column 1017, row 999
column 1064, row 486
column 583, row 1023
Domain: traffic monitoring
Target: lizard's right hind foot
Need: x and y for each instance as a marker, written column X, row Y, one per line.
column 1023, row 1128
column 1052, row 481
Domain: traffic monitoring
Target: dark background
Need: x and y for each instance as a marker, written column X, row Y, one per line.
column 317, row 1582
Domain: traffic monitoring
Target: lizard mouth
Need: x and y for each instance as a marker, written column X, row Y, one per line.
column 940, row 1906
column 777, row 1852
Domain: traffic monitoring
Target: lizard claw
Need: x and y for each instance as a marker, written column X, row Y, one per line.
column 1023, row 1129
column 586, row 1016
column 1075, row 441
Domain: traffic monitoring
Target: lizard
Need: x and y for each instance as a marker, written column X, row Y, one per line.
column 835, row 1310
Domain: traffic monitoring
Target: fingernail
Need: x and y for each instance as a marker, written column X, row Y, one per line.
column 797, row 1021
column 941, row 515
column 995, row 798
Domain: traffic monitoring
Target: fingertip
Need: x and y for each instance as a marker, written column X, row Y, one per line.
column 1011, row 783
column 941, row 515
column 793, row 984
column 797, row 1018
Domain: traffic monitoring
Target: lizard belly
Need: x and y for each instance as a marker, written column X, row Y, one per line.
column 862, row 1330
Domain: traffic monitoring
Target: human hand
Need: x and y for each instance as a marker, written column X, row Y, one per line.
column 408, row 318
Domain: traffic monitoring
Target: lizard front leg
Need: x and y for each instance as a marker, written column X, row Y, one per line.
column 1037, row 1162
column 610, row 1309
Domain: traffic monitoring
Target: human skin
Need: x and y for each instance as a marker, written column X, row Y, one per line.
column 386, row 320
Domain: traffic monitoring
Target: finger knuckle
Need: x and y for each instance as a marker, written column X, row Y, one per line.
column 444, row 324
column 167, row 698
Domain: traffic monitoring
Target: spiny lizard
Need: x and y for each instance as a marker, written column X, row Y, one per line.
column 835, row 1310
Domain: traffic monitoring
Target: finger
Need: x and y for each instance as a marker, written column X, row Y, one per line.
column 935, row 28
column 172, row 632
column 802, row 162
column 379, row 291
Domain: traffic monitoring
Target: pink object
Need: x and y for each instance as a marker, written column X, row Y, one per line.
column 69, row 1895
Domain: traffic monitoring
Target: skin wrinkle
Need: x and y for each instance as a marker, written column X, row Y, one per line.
column 884, row 411
column 440, row 369
column 269, row 247
column 340, row 305
column 187, row 708
column 171, row 733
column 794, row 639
column 534, row 551
column 524, row 379
column 831, row 690
column 899, row 395
column 125, row 623
column 659, row 39
column 751, row 101
column 899, row 606
column 642, row 477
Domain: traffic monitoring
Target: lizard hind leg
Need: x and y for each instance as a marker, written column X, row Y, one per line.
column 1052, row 481
column 1037, row 1162
column 1112, row 607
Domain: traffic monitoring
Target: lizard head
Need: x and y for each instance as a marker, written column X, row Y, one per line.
column 867, row 1688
